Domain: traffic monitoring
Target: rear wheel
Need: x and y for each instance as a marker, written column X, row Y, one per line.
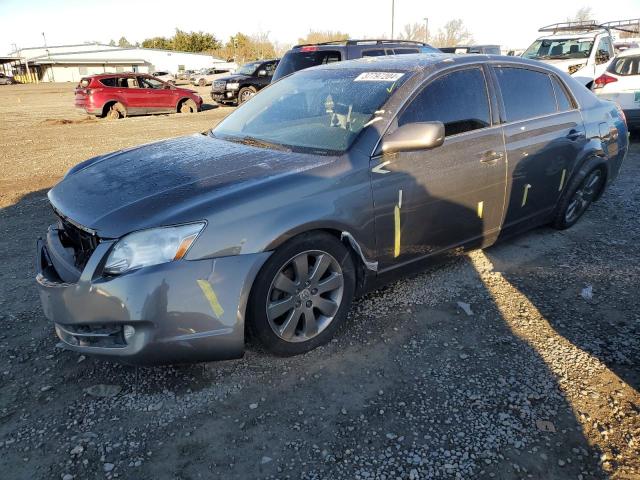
column 188, row 106
column 116, row 111
column 302, row 294
column 580, row 195
column 245, row 94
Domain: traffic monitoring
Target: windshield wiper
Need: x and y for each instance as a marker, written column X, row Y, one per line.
column 256, row 142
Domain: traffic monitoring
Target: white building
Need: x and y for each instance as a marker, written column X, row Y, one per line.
column 68, row 63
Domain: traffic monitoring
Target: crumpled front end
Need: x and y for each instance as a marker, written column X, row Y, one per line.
column 181, row 311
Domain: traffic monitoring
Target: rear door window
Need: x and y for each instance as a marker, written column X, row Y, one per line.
column 458, row 99
column 109, row 82
column 625, row 66
column 525, row 93
column 378, row 52
column 301, row 59
column 400, row 51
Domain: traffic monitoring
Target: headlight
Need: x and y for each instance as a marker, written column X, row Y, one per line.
column 574, row 68
column 151, row 247
column 233, row 86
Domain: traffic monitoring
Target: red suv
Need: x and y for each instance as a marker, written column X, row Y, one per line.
column 119, row 95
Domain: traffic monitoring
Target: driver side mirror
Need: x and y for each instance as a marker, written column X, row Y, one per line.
column 262, row 73
column 414, row 136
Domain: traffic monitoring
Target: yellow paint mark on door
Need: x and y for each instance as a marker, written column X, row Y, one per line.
column 564, row 174
column 480, row 209
column 525, row 194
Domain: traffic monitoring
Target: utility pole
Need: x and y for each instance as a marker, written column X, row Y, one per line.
column 53, row 78
column 393, row 13
column 426, row 30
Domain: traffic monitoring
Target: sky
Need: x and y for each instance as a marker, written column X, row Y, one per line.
column 512, row 24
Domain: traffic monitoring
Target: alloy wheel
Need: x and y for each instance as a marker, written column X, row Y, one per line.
column 305, row 296
column 583, row 196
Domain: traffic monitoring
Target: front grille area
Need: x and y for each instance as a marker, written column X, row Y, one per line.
column 219, row 85
column 83, row 243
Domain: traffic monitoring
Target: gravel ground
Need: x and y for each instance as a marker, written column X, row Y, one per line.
column 538, row 379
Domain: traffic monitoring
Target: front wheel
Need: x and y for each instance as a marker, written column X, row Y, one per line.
column 188, row 106
column 580, row 195
column 202, row 82
column 245, row 94
column 302, row 294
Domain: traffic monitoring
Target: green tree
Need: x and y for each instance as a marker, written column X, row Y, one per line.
column 112, row 43
column 123, row 42
column 157, row 42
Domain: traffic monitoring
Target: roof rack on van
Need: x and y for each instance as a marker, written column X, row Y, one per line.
column 630, row 26
column 582, row 26
column 362, row 42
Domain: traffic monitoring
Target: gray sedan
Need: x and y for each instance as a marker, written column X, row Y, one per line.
column 326, row 184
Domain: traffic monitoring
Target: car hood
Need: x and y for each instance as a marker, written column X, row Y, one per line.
column 234, row 77
column 165, row 182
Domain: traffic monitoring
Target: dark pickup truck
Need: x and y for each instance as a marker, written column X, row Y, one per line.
column 242, row 85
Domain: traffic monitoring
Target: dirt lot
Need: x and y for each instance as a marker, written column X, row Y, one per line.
column 538, row 382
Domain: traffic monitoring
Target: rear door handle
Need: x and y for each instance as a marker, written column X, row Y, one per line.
column 491, row 157
column 575, row 135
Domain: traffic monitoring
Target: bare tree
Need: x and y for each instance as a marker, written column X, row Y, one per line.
column 453, row 33
column 583, row 15
column 319, row 36
column 414, row 31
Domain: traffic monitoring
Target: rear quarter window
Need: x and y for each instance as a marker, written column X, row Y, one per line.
column 525, row 93
column 84, row 82
column 625, row 66
column 562, row 98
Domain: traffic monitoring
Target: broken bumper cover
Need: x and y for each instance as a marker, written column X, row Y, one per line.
column 183, row 311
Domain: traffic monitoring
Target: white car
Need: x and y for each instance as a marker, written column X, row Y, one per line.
column 207, row 76
column 165, row 77
column 621, row 83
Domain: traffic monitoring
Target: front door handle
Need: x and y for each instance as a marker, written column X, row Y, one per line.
column 575, row 135
column 491, row 157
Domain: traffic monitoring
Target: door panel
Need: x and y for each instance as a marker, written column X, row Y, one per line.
column 541, row 156
column 437, row 199
column 432, row 200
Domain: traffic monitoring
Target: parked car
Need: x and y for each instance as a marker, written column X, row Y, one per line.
column 464, row 49
column 582, row 49
column 207, row 76
column 115, row 96
column 310, row 55
column 246, row 82
column 326, row 184
column 5, row 79
column 621, row 84
column 165, row 77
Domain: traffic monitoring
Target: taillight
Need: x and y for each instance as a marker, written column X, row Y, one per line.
column 603, row 80
column 309, row 48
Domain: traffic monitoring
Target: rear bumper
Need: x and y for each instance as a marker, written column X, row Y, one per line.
column 184, row 311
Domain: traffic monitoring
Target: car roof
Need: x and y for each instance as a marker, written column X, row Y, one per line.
column 422, row 61
column 362, row 43
column 115, row 74
column 629, row 52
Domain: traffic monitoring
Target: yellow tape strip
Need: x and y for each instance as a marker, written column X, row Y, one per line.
column 396, row 218
column 564, row 173
column 211, row 296
column 480, row 209
column 526, row 194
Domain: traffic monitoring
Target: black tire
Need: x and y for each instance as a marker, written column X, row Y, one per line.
column 188, row 106
column 116, row 111
column 265, row 295
column 245, row 94
column 578, row 197
column 202, row 82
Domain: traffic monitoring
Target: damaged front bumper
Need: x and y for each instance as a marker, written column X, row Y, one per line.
column 182, row 311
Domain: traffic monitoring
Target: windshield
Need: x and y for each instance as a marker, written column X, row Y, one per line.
column 248, row 69
column 559, row 48
column 319, row 111
column 306, row 57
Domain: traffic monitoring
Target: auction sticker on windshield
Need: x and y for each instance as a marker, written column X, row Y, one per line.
column 378, row 77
